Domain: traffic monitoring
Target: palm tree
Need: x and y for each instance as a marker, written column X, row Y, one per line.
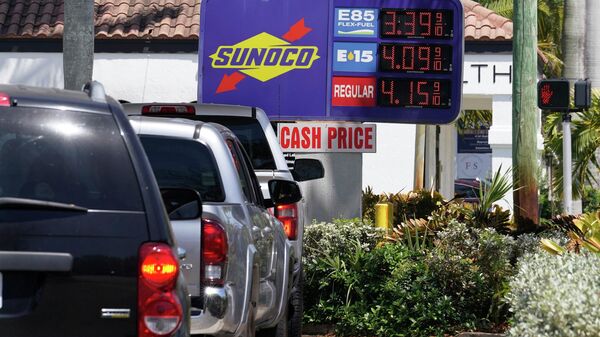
column 550, row 19
column 574, row 38
column 592, row 43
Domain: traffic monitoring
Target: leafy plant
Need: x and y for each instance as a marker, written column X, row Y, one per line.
column 555, row 296
column 584, row 232
column 485, row 213
column 369, row 200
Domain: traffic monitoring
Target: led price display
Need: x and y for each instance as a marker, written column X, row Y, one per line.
column 424, row 93
column 415, row 58
column 416, row 23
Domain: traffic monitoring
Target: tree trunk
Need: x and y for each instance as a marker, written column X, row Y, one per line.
column 78, row 43
column 574, row 39
column 525, row 115
column 592, row 42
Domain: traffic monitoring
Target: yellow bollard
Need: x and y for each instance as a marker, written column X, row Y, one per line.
column 384, row 215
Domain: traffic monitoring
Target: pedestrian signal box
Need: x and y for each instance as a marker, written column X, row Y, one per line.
column 554, row 94
column 583, row 94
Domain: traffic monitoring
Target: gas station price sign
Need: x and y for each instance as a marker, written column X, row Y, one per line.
column 335, row 60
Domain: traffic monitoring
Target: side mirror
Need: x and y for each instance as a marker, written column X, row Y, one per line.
column 308, row 169
column 284, row 192
column 182, row 203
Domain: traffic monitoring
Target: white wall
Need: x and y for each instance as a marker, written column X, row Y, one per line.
column 132, row 77
column 391, row 168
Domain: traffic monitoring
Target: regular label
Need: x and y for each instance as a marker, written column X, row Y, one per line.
column 355, row 22
column 353, row 91
column 355, row 57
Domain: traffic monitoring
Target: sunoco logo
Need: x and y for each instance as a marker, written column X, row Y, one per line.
column 264, row 57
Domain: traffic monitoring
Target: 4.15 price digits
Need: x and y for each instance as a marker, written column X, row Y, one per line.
column 426, row 93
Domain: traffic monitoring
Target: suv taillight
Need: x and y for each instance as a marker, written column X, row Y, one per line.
column 214, row 253
column 159, row 310
column 169, row 109
column 288, row 215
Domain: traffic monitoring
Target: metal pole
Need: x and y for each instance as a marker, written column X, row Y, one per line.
column 419, row 182
column 567, row 163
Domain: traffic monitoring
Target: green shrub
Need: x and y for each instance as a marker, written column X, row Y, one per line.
column 400, row 298
column 591, row 200
column 474, row 265
column 393, row 289
column 414, row 205
column 555, row 296
column 328, row 246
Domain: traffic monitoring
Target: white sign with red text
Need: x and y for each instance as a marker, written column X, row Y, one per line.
column 327, row 137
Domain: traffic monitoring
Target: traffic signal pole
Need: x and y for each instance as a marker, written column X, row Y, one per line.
column 567, row 165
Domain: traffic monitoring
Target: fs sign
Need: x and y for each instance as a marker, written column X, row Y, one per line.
column 337, row 60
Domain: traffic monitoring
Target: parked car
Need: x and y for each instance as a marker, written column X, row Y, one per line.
column 86, row 248
column 467, row 189
column 238, row 257
column 253, row 129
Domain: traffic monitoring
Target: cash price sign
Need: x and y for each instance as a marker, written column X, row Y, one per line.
column 338, row 60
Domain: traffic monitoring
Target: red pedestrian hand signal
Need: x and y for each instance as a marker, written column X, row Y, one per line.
column 554, row 94
column 546, row 94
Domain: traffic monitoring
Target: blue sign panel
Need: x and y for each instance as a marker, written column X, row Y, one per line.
column 355, row 57
column 356, row 22
column 344, row 60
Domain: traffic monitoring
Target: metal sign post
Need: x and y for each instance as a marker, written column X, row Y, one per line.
column 567, row 164
column 554, row 94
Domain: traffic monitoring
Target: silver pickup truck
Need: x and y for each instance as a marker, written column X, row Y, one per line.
column 253, row 128
column 238, row 260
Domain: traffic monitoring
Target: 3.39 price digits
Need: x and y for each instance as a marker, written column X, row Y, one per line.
column 425, row 93
column 416, row 23
column 415, row 58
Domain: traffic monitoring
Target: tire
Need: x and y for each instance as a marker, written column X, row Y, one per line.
column 296, row 309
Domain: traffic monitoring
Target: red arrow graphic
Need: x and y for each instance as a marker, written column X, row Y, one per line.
column 297, row 31
column 229, row 82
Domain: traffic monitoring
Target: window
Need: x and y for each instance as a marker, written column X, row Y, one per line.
column 252, row 137
column 66, row 156
column 241, row 168
column 184, row 163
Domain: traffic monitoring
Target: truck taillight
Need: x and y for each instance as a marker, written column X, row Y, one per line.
column 288, row 215
column 214, row 253
column 4, row 99
column 168, row 109
column 159, row 311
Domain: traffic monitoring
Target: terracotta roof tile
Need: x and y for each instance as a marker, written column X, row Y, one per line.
column 484, row 24
column 115, row 19
column 179, row 19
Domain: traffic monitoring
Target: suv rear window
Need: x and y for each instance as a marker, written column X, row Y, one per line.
column 184, row 163
column 66, row 156
column 252, row 137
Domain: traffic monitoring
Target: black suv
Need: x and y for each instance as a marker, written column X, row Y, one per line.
column 85, row 244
